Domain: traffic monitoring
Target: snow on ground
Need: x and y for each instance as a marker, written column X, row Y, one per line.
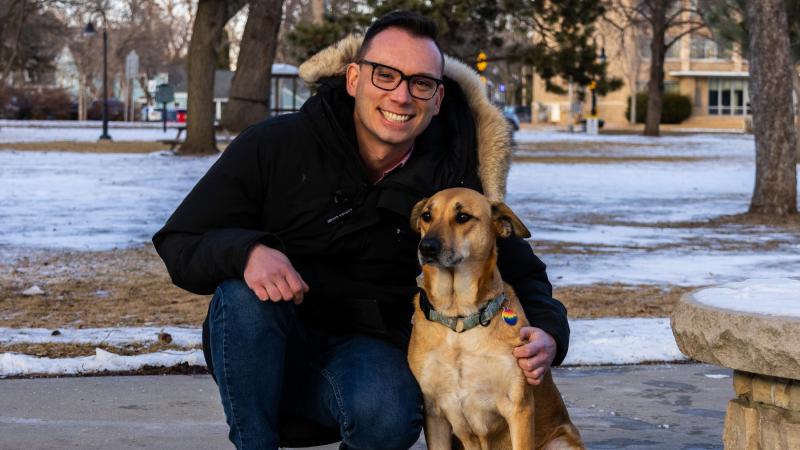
column 181, row 336
column 769, row 296
column 594, row 342
column 619, row 217
column 14, row 364
column 614, row 217
column 79, row 134
column 90, row 201
column 61, row 124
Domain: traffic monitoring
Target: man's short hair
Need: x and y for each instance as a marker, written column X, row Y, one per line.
column 413, row 23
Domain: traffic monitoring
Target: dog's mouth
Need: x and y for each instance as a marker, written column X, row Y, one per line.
column 448, row 261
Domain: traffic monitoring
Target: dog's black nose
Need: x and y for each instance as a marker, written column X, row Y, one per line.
column 430, row 247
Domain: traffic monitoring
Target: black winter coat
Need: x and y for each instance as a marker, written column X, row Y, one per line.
column 296, row 183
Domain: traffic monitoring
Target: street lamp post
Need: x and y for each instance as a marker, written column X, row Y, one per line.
column 90, row 31
column 602, row 59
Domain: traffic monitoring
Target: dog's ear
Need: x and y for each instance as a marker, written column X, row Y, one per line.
column 416, row 212
column 507, row 223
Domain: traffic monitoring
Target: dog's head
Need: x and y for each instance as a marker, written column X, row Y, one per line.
column 460, row 225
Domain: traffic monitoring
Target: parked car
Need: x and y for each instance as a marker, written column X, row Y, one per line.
column 151, row 113
column 523, row 113
column 154, row 114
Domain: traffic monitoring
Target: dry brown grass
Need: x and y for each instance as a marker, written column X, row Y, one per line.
column 55, row 350
column 94, row 289
column 619, row 300
column 87, row 147
column 131, row 288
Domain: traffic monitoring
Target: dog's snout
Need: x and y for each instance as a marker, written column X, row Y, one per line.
column 430, row 247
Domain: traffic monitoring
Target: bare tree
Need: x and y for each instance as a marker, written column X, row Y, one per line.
column 209, row 22
column 775, row 190
column 663, row 18
column 248, row 101
column 631, row 52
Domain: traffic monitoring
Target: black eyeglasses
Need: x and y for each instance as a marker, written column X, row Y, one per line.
column 388, row 78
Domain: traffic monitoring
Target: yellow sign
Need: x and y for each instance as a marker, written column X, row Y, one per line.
column 481, row 62
column 592, row 85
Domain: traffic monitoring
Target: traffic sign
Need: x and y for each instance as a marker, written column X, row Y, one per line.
column 132, row 65
column 165, row 93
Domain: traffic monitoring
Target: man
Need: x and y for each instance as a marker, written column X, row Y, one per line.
column 301, row 230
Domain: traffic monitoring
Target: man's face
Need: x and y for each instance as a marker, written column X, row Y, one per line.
column 394, row 118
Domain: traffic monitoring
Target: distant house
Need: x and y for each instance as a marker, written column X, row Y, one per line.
column 66, row 74
column 288, row 91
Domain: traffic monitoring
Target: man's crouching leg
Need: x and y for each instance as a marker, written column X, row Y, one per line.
column 372, row 394
column 248, row 343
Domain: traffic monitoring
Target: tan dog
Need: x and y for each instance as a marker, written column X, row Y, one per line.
column 471, row 383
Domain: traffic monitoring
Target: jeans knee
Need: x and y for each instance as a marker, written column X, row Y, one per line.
column 378, row 425
column 236, row 307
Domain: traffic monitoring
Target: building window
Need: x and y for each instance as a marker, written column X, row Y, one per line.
column 672, row 87
column 674, row 52
column 705, row 48
column 728, row 97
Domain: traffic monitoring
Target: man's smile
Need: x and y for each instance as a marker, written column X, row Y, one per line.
column 394, row 117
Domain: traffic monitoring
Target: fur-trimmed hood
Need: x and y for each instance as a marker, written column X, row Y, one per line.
column 493, row 136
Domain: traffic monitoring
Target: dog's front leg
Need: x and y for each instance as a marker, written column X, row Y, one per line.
column 437, row 432
column 521, row 427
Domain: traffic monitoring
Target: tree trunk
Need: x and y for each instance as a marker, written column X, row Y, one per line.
column 249, row 98
column 796, row 79
column 771, row 99
column 658, row 50
column 317, row 11
column 207, row 29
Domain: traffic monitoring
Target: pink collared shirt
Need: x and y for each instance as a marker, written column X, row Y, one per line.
column 399, row 164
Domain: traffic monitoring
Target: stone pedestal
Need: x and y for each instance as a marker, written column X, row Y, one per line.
column 764, row 351
column 764, row 415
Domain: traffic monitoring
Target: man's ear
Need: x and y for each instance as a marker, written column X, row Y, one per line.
column 351, row 78
column 507, row 223
column 416, row 212
column 438, row 99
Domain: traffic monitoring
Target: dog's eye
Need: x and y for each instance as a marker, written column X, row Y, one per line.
column 462, row 217
column 426, row 216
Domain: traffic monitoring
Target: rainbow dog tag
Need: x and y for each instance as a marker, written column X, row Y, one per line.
column 509, row 316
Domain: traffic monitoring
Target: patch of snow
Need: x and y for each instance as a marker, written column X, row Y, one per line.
column 96, row 124
column 119, row 337
column 619, row 211
column 13, row 134
column 683, row 268
column 33, row 290
column 716, row 376
column 768, row 296
column 12, row 364
column 621, row 341
column 91, row 201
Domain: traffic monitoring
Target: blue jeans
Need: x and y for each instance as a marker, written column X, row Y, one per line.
column 268, row 363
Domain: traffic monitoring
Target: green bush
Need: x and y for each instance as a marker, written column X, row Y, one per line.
column 675, row 108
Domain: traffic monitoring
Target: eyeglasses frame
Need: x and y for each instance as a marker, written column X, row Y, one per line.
column 403, row 77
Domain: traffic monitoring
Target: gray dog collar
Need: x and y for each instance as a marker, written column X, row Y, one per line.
column 460, row 324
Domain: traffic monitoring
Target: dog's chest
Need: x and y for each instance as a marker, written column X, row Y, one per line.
column 468, row 379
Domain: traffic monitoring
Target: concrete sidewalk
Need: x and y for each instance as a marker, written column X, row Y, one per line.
column 630, row 407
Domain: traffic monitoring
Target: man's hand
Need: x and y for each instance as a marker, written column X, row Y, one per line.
column 271, row 276
column 536, row 356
